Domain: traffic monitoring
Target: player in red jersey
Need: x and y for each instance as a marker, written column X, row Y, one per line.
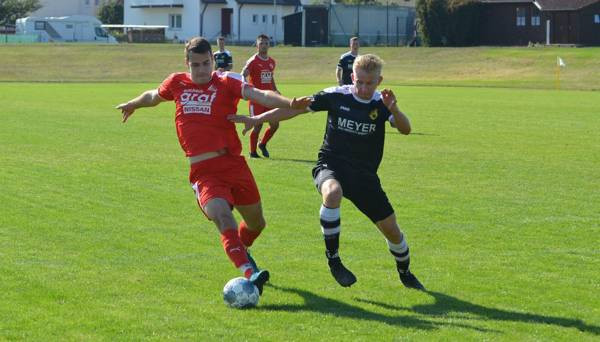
column 259, row 71
column 219, row 175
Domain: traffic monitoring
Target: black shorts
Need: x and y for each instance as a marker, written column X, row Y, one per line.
column 361, row 187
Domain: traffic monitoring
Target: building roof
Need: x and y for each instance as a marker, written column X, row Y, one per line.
column 270, row 2
column 562, row 5
column 549, row 5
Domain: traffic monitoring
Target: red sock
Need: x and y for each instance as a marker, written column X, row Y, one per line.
column 253, row 141
column 268, row 135
column 236, row 251
column 247, row 235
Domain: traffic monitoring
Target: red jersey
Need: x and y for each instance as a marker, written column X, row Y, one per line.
column 201, row 111
column 261, row 72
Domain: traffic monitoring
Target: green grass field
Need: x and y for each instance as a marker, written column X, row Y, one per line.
column 497, row 190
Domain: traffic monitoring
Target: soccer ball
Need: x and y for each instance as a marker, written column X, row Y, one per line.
column 240, row 293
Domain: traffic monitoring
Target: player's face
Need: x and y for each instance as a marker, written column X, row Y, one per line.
column 200, row 66
column 365, row 83
column 262, row 45
column 221, row 43
column 354, row 45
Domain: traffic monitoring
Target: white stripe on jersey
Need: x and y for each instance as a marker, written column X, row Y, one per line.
column 236, row 76
column 348, row 53
column 348, row 89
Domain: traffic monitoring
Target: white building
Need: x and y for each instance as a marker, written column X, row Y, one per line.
column 240, row 20
column 62, row 8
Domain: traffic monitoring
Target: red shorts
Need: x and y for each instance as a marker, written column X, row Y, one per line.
column 227, row 177
column 256, row 109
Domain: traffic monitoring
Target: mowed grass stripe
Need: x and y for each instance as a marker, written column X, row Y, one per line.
column 509, row 67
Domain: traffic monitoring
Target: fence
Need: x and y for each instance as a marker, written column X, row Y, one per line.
column 375, row 25
column 18, row 38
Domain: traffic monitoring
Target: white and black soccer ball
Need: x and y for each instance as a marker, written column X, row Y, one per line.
column 240, row 293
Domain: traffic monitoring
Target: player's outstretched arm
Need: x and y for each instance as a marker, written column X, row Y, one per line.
column 338, row 75
column 271, row 99
column 149, row 98
column 400, row 121
column 274, row 115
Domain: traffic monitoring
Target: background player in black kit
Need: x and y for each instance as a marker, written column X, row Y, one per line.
column 344, row 66
column 349, row 158
column 223, row 58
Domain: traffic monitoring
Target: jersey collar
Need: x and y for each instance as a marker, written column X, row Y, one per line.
column 353, row 91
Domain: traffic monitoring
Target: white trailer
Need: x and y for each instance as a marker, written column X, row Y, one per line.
column 74, row 28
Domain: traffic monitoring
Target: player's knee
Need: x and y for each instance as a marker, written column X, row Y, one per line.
column 332, row 192
column 256, row 223
column 220, row 213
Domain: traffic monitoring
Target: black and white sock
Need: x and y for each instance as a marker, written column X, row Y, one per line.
column 401, row 254
column 330, row 227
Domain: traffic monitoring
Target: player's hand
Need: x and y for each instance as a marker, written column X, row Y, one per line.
column 301, row 102
column 127, row 109
column 388, row 97
column 248, row 121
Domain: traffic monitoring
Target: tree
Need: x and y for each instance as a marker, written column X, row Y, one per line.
column 433, row 21
column 111, row 12
column 449, row 22
column 11, row 10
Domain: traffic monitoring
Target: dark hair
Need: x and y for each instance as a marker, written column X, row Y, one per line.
column 221, row 38
column 197, row 45
column 262, row 36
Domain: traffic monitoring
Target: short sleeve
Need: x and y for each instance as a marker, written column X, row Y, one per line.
column 340, row 63
column 320, row 102
column 235, row 84
column 164, row 90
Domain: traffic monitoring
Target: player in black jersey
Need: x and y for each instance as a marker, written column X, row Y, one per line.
column 223, row 58
column 349, row 158
column 344, row 66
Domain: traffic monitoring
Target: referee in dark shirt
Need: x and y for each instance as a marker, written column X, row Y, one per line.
column 223, row 58
column 344, row 66
column 349, row 158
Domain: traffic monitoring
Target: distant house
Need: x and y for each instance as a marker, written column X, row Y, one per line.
column 240, row 20
column 518, row 22
column 62, row 8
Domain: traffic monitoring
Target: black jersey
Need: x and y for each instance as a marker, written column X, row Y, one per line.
column 223, row 59
column 346, row 62
column 355, row 129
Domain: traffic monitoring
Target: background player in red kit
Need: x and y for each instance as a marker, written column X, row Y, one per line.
column 259, row 71
column 219, row 175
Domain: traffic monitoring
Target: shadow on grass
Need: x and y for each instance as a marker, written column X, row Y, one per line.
column 445, row 305
column 414, row 133
column 316, row 303
column 305, row 161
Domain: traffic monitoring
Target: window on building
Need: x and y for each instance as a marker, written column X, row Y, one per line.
column 87, row 2
column 264, row 18
column 521, row 18
column 96, row 2
column 40, row 25
column 175, row 21
column 535, row 20
column 597, row 18
column 255, row 18
column 273, row 19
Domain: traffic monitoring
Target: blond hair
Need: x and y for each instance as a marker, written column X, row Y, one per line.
column 369, row 63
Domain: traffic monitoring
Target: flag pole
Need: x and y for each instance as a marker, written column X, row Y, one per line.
column 557, row 83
